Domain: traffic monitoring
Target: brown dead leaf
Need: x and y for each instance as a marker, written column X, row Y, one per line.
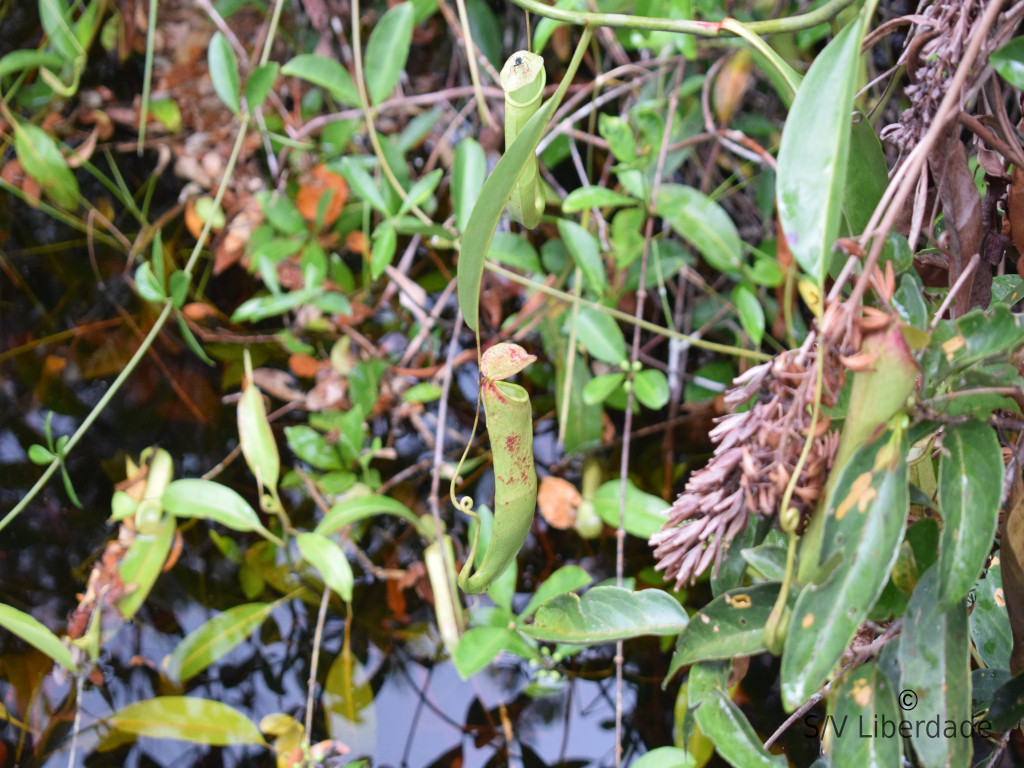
column 303, row 366
column 558, row 500
column 731, row 84
column 312, row 191
column 1011, row 561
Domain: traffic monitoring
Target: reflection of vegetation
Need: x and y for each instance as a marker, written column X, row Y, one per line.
column 331, row 215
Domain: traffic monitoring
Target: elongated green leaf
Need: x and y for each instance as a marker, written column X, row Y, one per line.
column 866, row 176
column 607, row 614
column 186, row 718
column 666, row 757
column 813, row 154
column 600, row 388
column 701, row 221
column 864, row 524
column 970, row 487
column 586, row 252
column 15, row 61
column 935, row 667
column 257, row 438
column 363, row 184
column 478, row 647
column 865, row 699
column 594, row 197
column 362, row 507
column 387, row 50
column 216, row 638
column 350, row 705
column 55, row 16
column 326, row 556
column 142, row 564
column 224, row 71
column 496, row 190
column 751, row 313
column 211, row 501
column 469, row 169
column 259, row 83
column 35, row 633
column 734, row 737
column 326, row 73
column 730, row 625
column 382, row 252
column 43, row 161
column 565, row 579
column 990, row 622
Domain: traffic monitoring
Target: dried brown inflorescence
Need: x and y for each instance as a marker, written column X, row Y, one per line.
column 757, row 451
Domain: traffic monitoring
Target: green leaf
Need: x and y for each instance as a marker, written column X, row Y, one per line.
column 382, row 252
column 211, row 641
column 586, row 252
column 387, row 51
column 607, row 614
column 599, row 388
column 424, row 392
column 1008, row 61
column 43, row 161
column 651, row 388
column 565, row 579
column 421, row 191
column 864, row 525
column 594, row 197
column 327, row 557
column 142, row 564
column 469, row 169
column 666, row 757
column 935, row 665
column 259, row 83
column 187, row 718
column 257, row 438
column 282, row 213
column 600, row 335
column 704, row 223
column 730, row 625
column 363, row 184
column 1007, row 708
column 970, row 487
column 55, row 16
column 496, row 191
column 813, row 153
column 325, row 73
column 864, row 700
column 149, row 287
column 311, row 447
column 734, row 737
column 39, row 455
column 478, row 647
column 990, row 622
column 207, row 500
column 35, row 633
column 750, row 311
column 645, row 512
column 363, row 507
column 515, row 251
column 224, row 71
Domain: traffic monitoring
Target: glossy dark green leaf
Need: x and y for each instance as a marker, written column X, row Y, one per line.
column 224, row 71
column 387, row 51
column 704, row 223
column 970, row 489
column 860, row 707
column 214, row 639
column 935, row 666
column 600, row 335
column 734, row 737
column 607, row 614
column 730, row 625
column 990, row 623
column 866, row 176
column 187, row 718
column 1007, row 708
column 469, row 169
column 814, row 151
column 329, row 559
column 1008, row 61
column 326, row 73
column 768, row 560
column 864, row 526
column 42, row 160
column 35, row 633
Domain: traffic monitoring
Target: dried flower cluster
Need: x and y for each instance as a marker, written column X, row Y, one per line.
column 755, row 457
